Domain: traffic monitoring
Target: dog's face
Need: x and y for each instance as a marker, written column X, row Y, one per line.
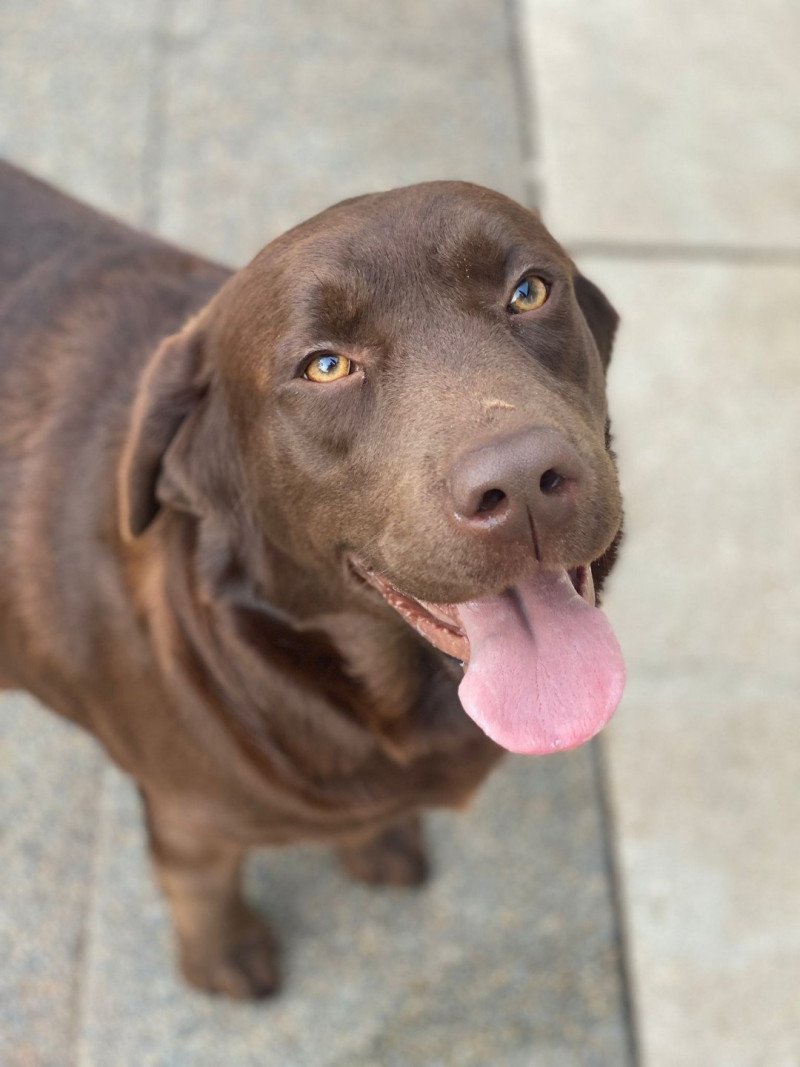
column 415, row 385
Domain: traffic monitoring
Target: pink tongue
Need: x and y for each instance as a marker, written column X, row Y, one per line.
column 545, row 671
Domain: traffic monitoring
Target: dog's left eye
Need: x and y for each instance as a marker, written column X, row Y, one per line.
column 327, row 368
column 529, row 295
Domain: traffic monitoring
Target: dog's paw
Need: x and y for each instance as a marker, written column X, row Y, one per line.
column 396, row 857
column 244, row 966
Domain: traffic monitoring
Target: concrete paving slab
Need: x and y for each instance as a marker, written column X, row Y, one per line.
column 75, row 96
column 273, row 112
column 705, row 753
column 704, row 773
column 507, row 957
column 670, row 121
column 705, row 393
column 49, row 773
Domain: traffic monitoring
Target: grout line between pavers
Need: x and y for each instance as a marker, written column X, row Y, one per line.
column 83, row 995
column 766, row 255
column 615, row 882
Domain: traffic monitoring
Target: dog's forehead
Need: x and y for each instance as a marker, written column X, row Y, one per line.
column 434, row 226
column 385, row 257
column 399, row 251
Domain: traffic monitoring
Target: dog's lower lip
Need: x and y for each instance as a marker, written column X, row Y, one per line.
column 439, row 624
column 580, row 578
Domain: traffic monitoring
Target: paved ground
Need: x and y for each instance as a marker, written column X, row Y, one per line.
column 663, row 143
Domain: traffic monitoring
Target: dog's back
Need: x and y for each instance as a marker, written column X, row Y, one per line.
column 83, row 301
column 36, row 224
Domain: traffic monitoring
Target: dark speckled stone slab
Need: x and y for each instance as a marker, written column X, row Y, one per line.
column 507, row 957
column 49, row 777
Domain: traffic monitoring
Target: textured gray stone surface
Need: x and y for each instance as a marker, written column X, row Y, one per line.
column 668, row 121
column 705, row 752
column 76, row 95
column 274, row 111
column 506, row 957
column 705, row 771
column 705, row 389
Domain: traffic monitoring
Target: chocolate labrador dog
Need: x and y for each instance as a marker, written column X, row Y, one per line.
column 308, row 545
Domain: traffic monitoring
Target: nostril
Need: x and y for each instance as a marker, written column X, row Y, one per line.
column 491, row 500
column 550, row 481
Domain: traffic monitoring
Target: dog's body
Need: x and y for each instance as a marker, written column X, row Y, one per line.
column 183, row 525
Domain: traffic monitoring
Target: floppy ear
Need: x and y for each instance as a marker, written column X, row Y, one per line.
column 169, row 390
column 600, row 316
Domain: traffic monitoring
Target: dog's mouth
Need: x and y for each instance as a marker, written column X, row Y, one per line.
column 543, row 670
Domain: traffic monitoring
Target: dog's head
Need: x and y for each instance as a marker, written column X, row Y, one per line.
column 413, row 384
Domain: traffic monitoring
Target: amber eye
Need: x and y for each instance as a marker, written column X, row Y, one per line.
column 529, row 295
column 327, row 368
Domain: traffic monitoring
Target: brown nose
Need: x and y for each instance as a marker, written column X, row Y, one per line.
column 526, row 486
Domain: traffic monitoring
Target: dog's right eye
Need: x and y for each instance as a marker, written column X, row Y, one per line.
column 529, row 294
column 327, row 367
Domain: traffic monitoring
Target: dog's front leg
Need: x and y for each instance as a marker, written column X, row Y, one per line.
column 394, row 855
column 224, row 947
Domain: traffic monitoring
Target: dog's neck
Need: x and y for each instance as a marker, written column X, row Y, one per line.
column 383, row 690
